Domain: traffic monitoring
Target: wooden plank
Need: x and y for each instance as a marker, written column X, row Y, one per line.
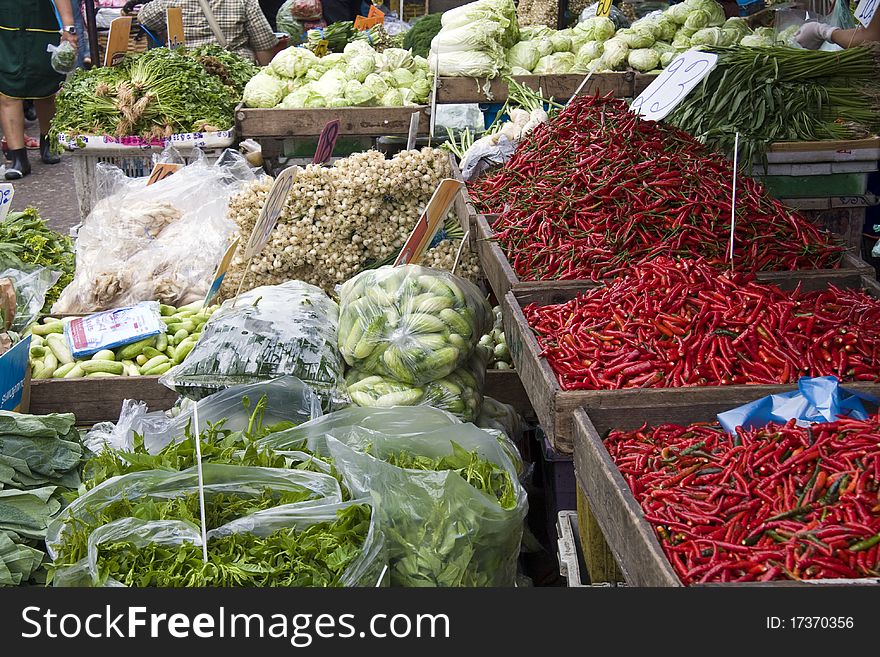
column 559, row 87
column 829, row 145
column 554, row 406
column 641, row 82
column 372, row 121
column 630, row 536
column 847, row 222
column 97, row 400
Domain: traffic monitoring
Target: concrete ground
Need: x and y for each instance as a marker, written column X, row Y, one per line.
column 49, row 188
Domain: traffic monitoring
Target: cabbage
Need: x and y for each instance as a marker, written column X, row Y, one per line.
column 408, row 97
column 648, row 24
column 544, row 46
column 331, row 84
column 729, row 37
column 667, row 57
column 591, row 50
column 681, row 42
column 635, row 38
column 697, row 20
column 578, row 39
column 391, row 98
column 473, row 64
column 357, row 94
column 530, row 32
column 616, row 51
column 375, row 85
column 662, row 47
column 739, row 24
column 715, row 11
column 358, row 47
column 313, row 75
column 555, row 64
column 263, row 91
column 328, row 61
column 666, row 28
column 480, row 36
column 523, row 55
column 389, row 79
column 305, row 96
column 643, row 59
column 359, row 67
column 420, row 62
column 766, row 33
column 678, row 13
column 709, row 36
column 293, row 62
column 596, row 66
column 398, row 58
column 561, row 42
column 500, row 12
column 339, row 101
column 402, row 78
column 688, row 31
column 421, row 89
column 756, row 41
column 519, row 70
column 599, row 28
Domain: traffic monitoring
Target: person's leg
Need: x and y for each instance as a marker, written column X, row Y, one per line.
column 45, row 112
column 12, row 123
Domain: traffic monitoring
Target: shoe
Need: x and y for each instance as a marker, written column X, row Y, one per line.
column 30, row 143
column 20, row 166
column 46, row 154
column 30, row 112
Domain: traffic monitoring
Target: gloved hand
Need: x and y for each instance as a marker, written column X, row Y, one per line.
column 812, row 35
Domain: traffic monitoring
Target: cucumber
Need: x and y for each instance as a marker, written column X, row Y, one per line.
column 37, row 352
column 151, row 352
column 156, row 360
column 43, row 372
column 59, row 347
column 104, row 354
column 182, row 351
column 76, row 372
column 162, row 342
column 63, row 370
column 140, row 359
column 456, row 323
column 50, row 362
column 431, row 303
column 46, row 329
column 131, row 351
column 159, row 369
column 166, row 311
column 101, row 374
column 409, row 397
column 37, row 341
column 180, row 336
column 108, row 366
column 423, row 323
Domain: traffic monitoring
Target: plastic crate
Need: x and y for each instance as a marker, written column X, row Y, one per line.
column 134, row 163
column 571, row 563
column 558, row 477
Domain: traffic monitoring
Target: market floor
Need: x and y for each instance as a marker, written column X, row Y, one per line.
column 49, row 188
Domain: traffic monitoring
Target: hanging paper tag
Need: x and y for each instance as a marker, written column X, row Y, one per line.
column 866, row 10
column 320, row 48
column 162, row 171
column 327, row 142
column 117, row 40
column 675, row 82
column 220, row 273
column 429, row 222
column 270, row 212
column 113, row 328
column 604, row 8
column 6, row 194
column 174, row 21
column 413, row 130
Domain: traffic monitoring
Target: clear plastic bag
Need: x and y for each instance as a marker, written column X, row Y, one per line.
column 304, row 10
column 30, row 293
column 268, row 332
column 63, row 58
column 441, row 530
column 484, row 156
column 287, row 400
column 459, row 393
column 157, row 243
column 410, row 323
column 501, row 417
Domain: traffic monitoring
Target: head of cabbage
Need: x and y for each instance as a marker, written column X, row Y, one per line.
column 402, row 78
column 681, row 41
column 715, row 11
column 293, row 62
column 518, row 70
column 666, row 28
column 468, row 64
column 678, row 13
column 360, row 66
column 397, row 58
column 558, row 63
column 544, row 46
column 756, row 41
column 739, row 24
column 667, row 57
column 263, row 91
column 358, row 47
column 303, row 97
column 328, row 61
column 591, row 50
column 708, row 36
column 598, row 28
column 391, row 98
column 331, row 84
column 561, row 42
column 615, row 54
column 529, row 32
column 356, row 94
column 643, row 59
column 523, row 55
column 636, row 38
column 697, row 20
column 421, row 89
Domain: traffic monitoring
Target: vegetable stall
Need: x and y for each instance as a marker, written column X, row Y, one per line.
column 601, row 327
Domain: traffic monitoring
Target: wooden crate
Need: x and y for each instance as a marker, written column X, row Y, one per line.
column 369, row 121
column 629, row 536
column 97, row 400
column 502, row 278
column 561, row 88
column 554, row 406
column 600, row 561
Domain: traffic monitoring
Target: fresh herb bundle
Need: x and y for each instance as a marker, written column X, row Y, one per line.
column 783, row 94
column 315, row 556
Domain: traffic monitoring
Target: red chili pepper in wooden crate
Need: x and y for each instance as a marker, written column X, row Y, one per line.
column 779, row 502
column 598, row 189
column 672, row 323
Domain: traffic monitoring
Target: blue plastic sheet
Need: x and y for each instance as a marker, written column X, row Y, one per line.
column 817, row 399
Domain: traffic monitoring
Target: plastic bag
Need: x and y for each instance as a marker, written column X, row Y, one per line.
column 30, row 293
column 304, row 10
column 287, row 400
column 410, row 323
column 616, row 15
column 459, row 393
column 441, row 530
column 501, row 417
column 270, row 331
column 485, row 156
column 63, row 57
column 285, row 22
column 157, row 243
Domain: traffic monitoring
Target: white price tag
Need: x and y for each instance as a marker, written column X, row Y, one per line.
column 675, row 82
column 270, row 212
column 866, row 10
column 6, row 194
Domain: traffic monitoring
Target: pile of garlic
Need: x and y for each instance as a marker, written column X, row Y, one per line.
column 339, row 218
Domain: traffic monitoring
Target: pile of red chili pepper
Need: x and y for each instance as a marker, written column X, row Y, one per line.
column 772, row 503
column 598, row 189
column 671, row 323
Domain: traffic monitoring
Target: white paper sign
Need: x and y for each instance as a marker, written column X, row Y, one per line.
column 866, row 10
column 270, row 212
column 675, row 82
column 6, row 194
